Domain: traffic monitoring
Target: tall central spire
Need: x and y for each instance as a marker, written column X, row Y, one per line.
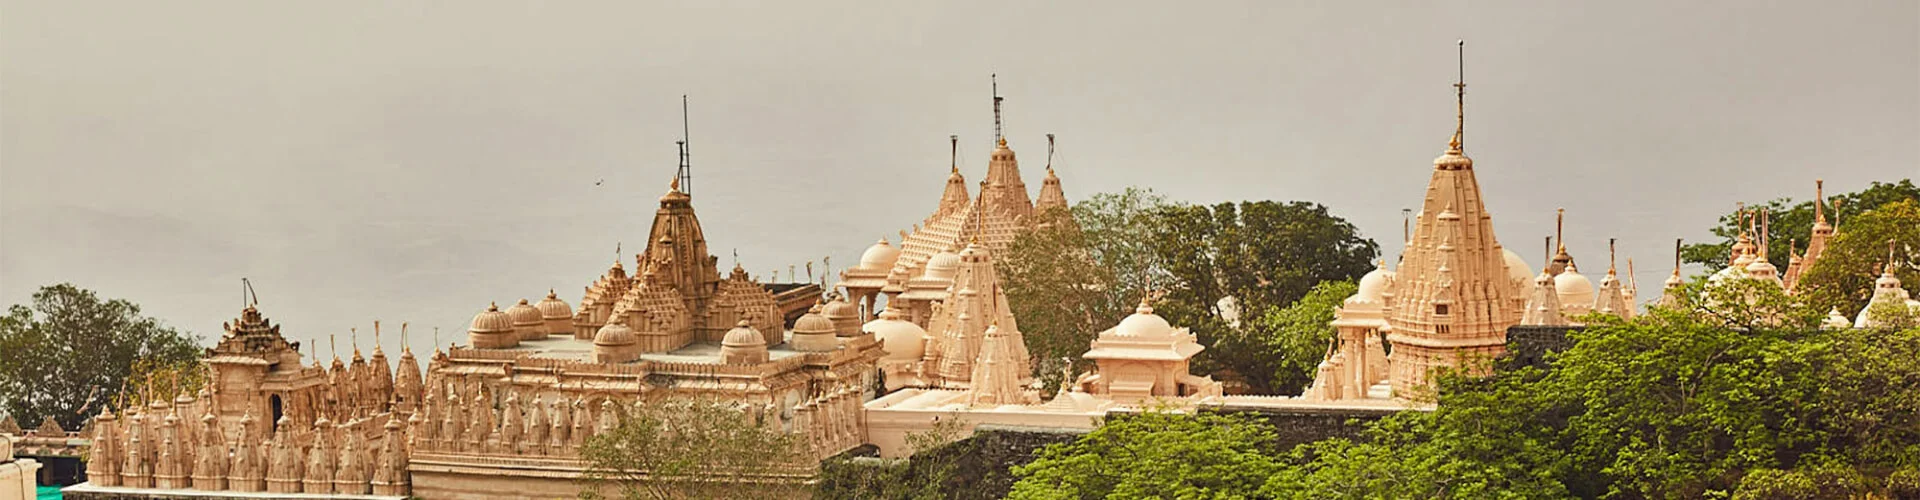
column 1452, row 297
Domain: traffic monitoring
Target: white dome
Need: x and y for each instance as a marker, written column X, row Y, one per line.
column 1517, row 270
column 943, row 265
column 902, row 339
column 879, row 257
column 1373, row 286
column 1573, row 287
column 1143, row 323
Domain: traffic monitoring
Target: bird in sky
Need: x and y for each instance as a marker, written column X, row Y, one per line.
column 596, row 183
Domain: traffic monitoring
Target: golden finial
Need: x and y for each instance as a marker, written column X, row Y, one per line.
column 953, row 157
column 675, row 185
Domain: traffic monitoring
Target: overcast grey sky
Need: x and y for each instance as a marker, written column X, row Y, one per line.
column 411, row 161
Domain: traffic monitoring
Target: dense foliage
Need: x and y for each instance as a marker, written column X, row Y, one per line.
column 1068, row 281
column 1290, row 340
column 1793, row 221
column 691, row 448
column 71, row 351
column 1215, row 269
column 1155, row 455
column 1706, row 399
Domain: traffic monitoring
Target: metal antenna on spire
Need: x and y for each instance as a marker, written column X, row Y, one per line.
column 686, row 154
column 997, row 138
column 1460, row 97
column 1406, row 226
column 1049, row 152
column 248, row 297
column 1676, row 256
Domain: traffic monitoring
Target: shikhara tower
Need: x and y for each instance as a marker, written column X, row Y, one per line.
column 1451, row 299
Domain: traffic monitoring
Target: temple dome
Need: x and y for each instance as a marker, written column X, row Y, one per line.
column 491, row 320
column 902, row 339
column 743, row 335
column 812, row 322
column 1517, row 269
column 943, row 265
column 1143, row 323
column 553, row 308
column 1373, row 286
column 839, row 308
column 880, row 256
column 743, row 346
column 491, row 329
column 1573, row 287
column 524, row 313
column 615, row 334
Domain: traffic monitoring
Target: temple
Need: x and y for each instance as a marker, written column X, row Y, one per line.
column 914, row 336
column 917, row 273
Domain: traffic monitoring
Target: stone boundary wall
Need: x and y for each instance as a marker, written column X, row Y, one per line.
column 1530, row 345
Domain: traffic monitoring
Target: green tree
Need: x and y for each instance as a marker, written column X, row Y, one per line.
column 68, row 353
column 1069, row 281
column 693, row 448
column 1258, row 256
column 1286, row 344
column 1155, row 454
column 1843, row 277
column 1793, row 220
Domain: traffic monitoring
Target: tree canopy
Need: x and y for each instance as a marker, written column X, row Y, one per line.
column 71, row 351
column 1288, row 343
column 1155, row 454
column 693, row 448
column 1068, row 282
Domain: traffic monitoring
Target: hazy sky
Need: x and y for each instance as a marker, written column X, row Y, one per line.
column 411, row 161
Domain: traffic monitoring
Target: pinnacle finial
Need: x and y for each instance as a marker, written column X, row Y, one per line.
column 1049, row 153
column 1460, row 101
column 1001, row 140
column 1559, row 228
column 953, row 158
column 1676, row 256
column 1819, row 201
